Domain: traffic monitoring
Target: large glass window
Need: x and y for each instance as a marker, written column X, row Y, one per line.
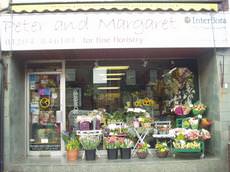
column 116, row 86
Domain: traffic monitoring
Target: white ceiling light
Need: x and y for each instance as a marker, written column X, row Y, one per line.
column 108, row 88
column 113, row 74
column 113, row 67
column 113, row 79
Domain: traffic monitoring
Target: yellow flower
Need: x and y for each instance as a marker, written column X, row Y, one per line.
column 138, row 103
column 146, row 101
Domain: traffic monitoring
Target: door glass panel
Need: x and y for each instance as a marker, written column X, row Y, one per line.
column 44, row 112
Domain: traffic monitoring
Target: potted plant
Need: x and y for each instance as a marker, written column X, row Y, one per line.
column 162, row 149
column 125, row 148
column 72, row 145
column 142, row 150
column 112, row 145
column 89, row 144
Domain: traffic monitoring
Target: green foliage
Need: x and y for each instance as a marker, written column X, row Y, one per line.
column 142, row 147
column 126, row 143
column 89, row 142
column 111, row 142
column 71, row 140
column 161, row 147
column 72, row 145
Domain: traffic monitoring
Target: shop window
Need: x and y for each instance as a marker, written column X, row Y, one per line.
column 113, row 87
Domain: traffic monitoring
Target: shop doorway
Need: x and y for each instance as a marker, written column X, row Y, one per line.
column 45, row 112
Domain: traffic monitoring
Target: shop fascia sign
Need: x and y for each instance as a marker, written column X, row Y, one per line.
column 114, row 30
column 49, row 1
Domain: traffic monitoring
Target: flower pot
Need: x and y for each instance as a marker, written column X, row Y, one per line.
column 125, row 153
column 112, row 153
column 72, row 155
column 162, row 154
column 142, row 155
column 90, row 154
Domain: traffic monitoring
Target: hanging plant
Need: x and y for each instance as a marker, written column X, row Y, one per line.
column 179, row 86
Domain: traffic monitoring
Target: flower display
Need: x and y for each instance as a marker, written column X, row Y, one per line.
column 71, row 140
column 126, row 143
column 205, row 134
column 181, row 110
column 144, row 102
column 198, row 108
column 161, row 147
column 186, row 145
column 111, row 142
column 142, row 147
column 89, row 142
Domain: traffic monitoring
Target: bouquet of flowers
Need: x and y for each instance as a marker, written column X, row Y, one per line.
column 198, row 108
column 181, row 110
column 89, row 142
column 205, row 134
column 192, row 134
column 126, row 143
column 111, row 142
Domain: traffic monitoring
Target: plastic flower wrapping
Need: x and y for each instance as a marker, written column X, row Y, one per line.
column 191, row 122
column 181, row 110
column 198, row 108
column 205, row 134
column 190, row 134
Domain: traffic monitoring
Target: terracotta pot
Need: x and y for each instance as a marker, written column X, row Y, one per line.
column 142, row 155
column 162, row 154
column 72, row 155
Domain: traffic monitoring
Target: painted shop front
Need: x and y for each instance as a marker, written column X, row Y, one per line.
column 125, row 77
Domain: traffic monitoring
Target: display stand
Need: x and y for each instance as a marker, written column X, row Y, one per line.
column 201, row 150
column 141, row 137
column 164, row 134
column 179, row 124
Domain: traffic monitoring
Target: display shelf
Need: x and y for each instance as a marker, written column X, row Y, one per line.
column 200, row 150
column 179, row 124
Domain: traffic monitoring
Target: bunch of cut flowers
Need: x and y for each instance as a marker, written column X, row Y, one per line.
column 112, row 142
column 125, row 143
column 181, row 110
column 198, row 108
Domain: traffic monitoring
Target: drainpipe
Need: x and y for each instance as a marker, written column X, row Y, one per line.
column 1, row 110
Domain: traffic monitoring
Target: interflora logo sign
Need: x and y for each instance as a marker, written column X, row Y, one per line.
column 113, row 30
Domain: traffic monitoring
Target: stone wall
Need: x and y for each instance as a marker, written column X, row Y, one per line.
column 223, row 64
column 213, row 70
column 209, row 95
column 14, row 110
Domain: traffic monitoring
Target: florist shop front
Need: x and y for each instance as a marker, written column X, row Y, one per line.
column 126, row 102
